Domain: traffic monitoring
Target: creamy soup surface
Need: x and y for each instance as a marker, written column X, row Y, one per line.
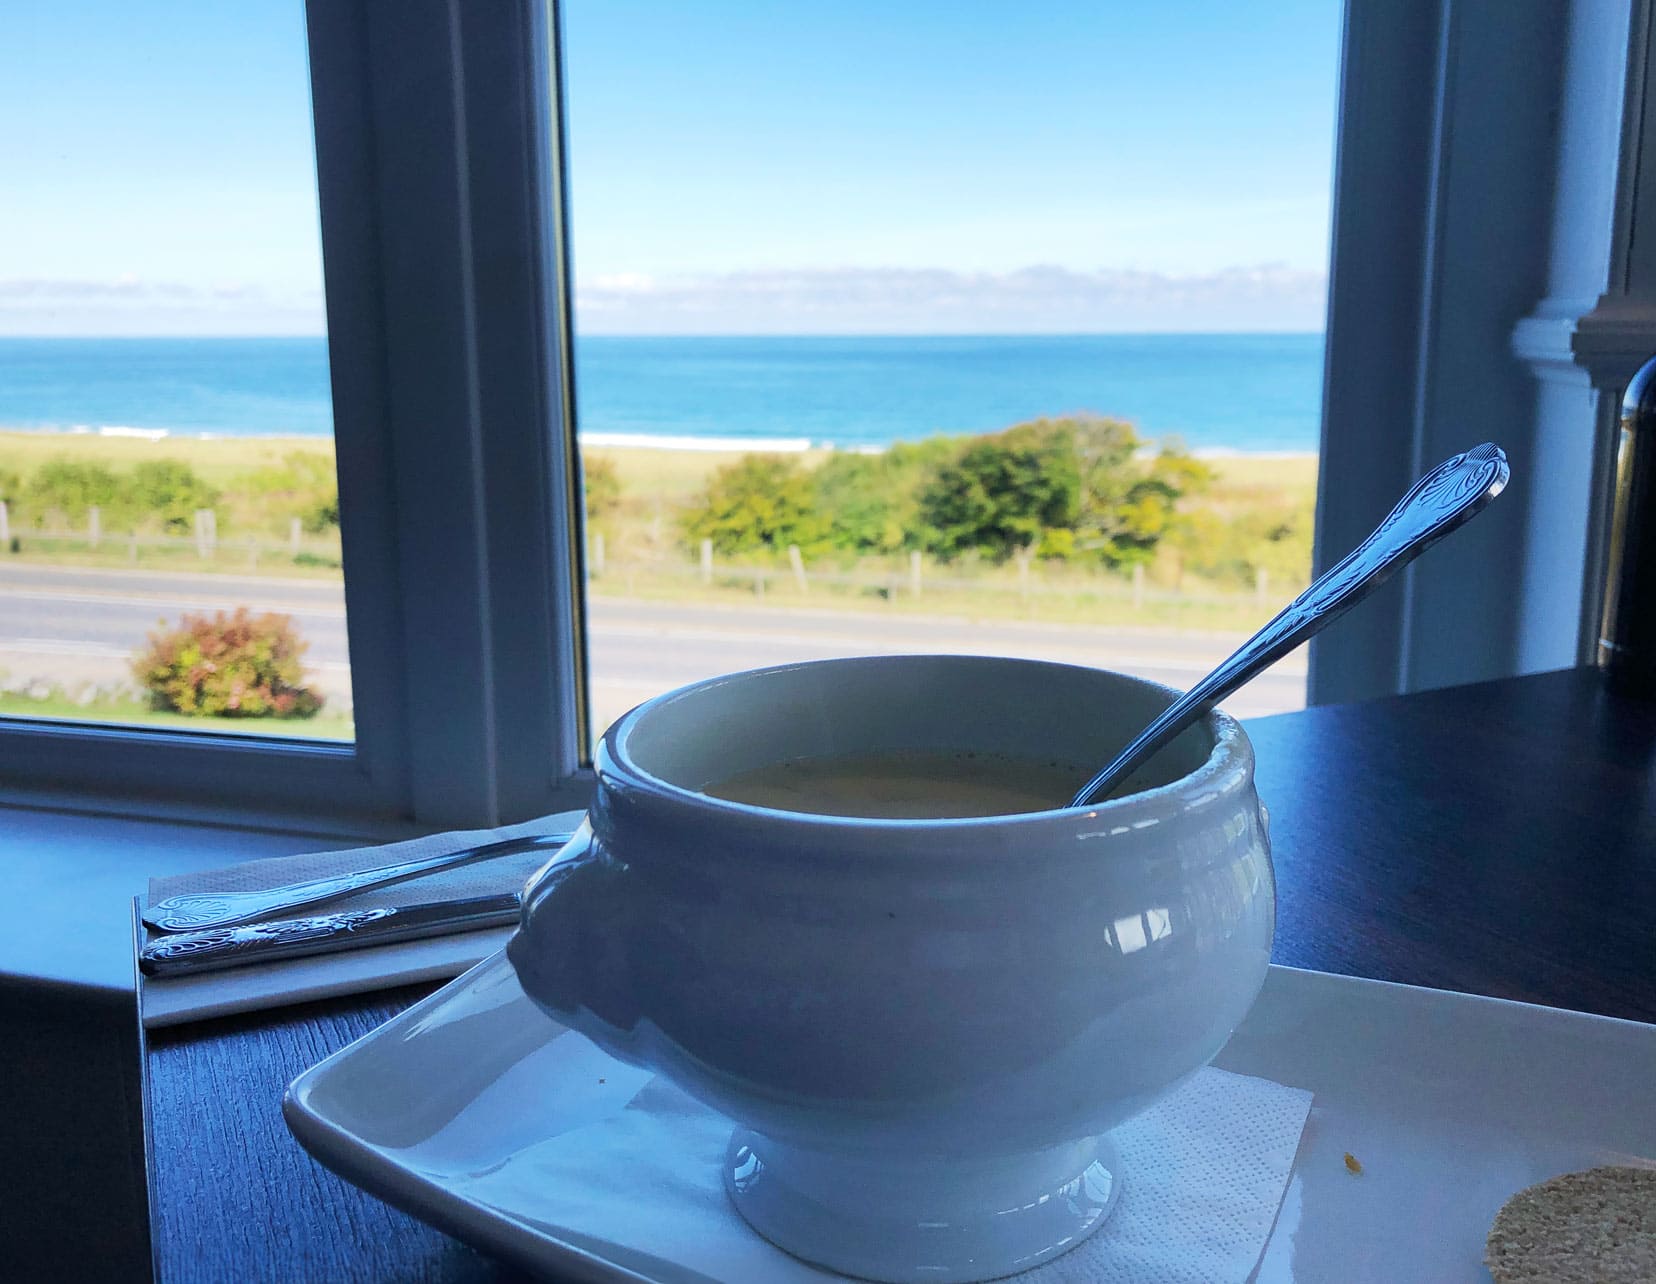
column 909, row 784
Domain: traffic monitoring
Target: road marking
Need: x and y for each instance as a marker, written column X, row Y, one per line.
column 183, row 603
column 1079, row 649
column 64, row 646
column 103, row 651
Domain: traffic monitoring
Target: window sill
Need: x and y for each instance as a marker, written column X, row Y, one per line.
column 71, row 873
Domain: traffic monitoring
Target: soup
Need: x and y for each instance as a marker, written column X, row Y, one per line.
column 910, row 784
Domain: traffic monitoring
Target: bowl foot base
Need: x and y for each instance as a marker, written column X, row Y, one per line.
column 946, row 1221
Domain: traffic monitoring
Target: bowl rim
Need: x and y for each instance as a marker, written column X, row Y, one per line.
column 1227, row 769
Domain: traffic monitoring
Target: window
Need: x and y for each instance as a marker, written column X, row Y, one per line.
column 970, row 329
column 1475, row 227
column 445, row 337
column 167, row 451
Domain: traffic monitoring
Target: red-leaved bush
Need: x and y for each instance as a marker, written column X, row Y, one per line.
column 238, row 665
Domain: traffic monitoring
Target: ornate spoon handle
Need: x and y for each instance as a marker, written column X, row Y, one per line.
column 1447, row 497
column 182, row 953
column 195, row 910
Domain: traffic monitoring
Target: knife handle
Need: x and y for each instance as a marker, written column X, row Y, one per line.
column 210, row 949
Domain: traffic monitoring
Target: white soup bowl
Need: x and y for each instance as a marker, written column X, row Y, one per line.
column 923, row 1029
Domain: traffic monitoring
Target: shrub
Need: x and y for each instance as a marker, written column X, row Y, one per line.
column 872, row 502
column 601, row 485
column 71, row 486
column 304, row 485
column 168, row 490
column 238, row 665
column 1129, row 505
column 760, row 503
column 1004, row 491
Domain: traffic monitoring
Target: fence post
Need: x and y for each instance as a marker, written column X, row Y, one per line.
column 253, row 552
column 94, row 525
column 707, row 561
column 1262, row 585
column 294, row 529
column 798, row 564
column 206, row 532
column 595, row 569
column 5, row 527
column 132, row 546
column 914, row 572
column 1138, row 586
column 759, row 582
column 1023, row 556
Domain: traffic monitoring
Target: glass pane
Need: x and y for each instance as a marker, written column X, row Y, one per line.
column 934, row 327
column 169, row 545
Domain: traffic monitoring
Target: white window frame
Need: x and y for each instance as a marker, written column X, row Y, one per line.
column 438, row 166
column 1488, row 281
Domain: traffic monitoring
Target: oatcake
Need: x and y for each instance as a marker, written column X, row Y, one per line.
column 1597, row 1226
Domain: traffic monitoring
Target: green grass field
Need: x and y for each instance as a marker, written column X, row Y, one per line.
column 324, row 726
column 646, row 555
column 218, row 460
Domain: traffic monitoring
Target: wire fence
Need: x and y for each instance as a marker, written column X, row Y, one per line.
column 1022, row 585
column 51, row 532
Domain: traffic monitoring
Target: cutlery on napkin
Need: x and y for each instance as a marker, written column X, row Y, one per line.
column 215, row 948
column 194, row 996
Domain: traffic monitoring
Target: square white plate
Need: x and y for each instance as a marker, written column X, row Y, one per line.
column 1450, row 1103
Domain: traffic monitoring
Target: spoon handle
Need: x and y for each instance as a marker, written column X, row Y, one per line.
column 195, row 911
column 1447, row 497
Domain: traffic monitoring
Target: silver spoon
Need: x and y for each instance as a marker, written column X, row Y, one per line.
column 1446, row 498
column 191, row 911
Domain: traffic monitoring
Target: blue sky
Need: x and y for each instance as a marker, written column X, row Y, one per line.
column 737, row 166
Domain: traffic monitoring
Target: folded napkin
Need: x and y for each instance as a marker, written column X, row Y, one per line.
column 172, row 1000
column 1203, row 1173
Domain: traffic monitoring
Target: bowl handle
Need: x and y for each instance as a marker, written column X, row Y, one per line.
column 570, row 949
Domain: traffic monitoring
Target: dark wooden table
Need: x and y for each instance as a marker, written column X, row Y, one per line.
column 1497, row 838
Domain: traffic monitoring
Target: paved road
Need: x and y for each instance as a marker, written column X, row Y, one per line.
column 79, row 626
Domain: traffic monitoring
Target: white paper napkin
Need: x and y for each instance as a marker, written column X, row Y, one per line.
column 174, row 1000
column 1203, row 1175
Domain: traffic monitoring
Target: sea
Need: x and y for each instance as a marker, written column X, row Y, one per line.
column 1244, row 393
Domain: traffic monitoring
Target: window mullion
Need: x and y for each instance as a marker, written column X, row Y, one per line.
column 480, row 467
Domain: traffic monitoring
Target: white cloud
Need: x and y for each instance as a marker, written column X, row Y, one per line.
column 130, row 305
column 1029, row 300
column 939, row 301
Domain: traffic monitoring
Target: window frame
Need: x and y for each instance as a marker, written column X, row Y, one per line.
column 439, row 178
column 1481, row 288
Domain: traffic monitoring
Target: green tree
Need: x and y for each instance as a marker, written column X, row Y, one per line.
column 601, row 487
column 1004, row 491
column 871, row 502
column 760, row 503
column 72, row 486
column 304, row 485
column 1128, row 504
column 166, row 489
column 1234, row 547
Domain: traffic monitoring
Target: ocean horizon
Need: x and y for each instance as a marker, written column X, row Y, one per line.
column 1219, row 394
